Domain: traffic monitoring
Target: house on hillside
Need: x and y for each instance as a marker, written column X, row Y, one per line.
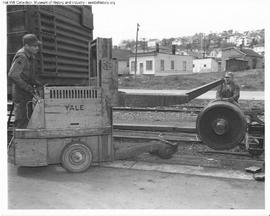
column 177, row 41
column 160, row 64
column 259, row 49
column 152, row 42
column 122, row 58
column 205, row 65
column 196, row 54
column 215, row 53
column 234, row 59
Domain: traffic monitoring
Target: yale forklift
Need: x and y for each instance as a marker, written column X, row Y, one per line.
column 71, row 125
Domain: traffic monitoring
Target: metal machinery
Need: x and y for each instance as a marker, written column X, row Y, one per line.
column 72, row 125
column 221, row 125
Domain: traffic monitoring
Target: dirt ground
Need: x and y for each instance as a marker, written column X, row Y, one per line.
column 110, row 188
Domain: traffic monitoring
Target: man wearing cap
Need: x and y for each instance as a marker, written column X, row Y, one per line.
column 229, row 90
column 22, row 75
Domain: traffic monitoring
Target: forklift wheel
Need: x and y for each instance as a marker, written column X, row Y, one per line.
column 76, row 157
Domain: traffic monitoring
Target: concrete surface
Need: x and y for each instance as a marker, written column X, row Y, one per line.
column 244, row 95
column 181, row 169
column 52, row 187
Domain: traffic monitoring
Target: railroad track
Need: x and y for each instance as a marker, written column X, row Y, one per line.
column 137, row 145
column 183, row 109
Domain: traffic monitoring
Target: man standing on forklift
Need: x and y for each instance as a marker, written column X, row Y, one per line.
column 24, row 85
column 229, row 90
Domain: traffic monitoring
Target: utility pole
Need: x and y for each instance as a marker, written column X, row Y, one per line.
column 203, row 46
column 144, row 45
column 136, row 45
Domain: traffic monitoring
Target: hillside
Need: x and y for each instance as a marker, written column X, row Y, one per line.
column 250, row 80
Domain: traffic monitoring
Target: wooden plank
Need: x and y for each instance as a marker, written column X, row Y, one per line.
column 60, row 133
column 66, row 113
column 161, row 128
column 30, row 152
column 149, row 138
column 55, row 148
column 56, row 121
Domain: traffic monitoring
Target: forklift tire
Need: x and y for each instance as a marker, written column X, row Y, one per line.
column 76, row 157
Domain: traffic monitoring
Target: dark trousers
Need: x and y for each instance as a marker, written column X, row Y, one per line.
column 21, row 112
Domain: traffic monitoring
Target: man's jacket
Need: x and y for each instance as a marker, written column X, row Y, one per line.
column 231, row 90
column 22, row 74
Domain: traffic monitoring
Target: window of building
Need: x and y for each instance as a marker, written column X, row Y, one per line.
column 149, row 65
column 162, row 68
column 193, row 65
column 184, row 66
column 133, row 66
column 204, row 65
column 172, row 65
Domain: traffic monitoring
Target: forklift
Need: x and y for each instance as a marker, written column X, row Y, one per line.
column 71, row 125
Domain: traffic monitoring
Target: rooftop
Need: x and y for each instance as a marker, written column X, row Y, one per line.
column 121, row 54
column 248, row 52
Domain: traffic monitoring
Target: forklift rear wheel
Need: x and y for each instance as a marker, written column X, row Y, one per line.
column 76, row 157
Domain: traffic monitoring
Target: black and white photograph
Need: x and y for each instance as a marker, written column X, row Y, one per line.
column 124, row 107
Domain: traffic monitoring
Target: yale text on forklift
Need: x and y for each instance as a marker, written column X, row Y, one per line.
column 71, row 107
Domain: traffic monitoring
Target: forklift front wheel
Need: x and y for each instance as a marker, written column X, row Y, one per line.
column 76, row 157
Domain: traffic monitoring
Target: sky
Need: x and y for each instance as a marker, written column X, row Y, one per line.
column 175, row 18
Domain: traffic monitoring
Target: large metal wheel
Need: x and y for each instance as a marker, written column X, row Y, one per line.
column 76, row 157
column 221, row 125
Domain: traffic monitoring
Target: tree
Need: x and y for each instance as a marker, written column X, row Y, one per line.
column 128, row 44
column 224, row 45
column 253, row 43
column 189, row 47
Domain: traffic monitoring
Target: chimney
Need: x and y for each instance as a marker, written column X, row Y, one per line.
column 241, row 46
column 173, row 49
column 157, row 47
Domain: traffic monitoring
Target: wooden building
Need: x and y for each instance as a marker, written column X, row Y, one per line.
column 234, row 59
column 122, row 58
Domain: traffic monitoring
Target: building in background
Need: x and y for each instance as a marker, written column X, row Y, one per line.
column 259, row 49
column 216, row 53
column 205, row 65
column 160, row 64
column 122, row 58
column 234, row 59
column 152, row 42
